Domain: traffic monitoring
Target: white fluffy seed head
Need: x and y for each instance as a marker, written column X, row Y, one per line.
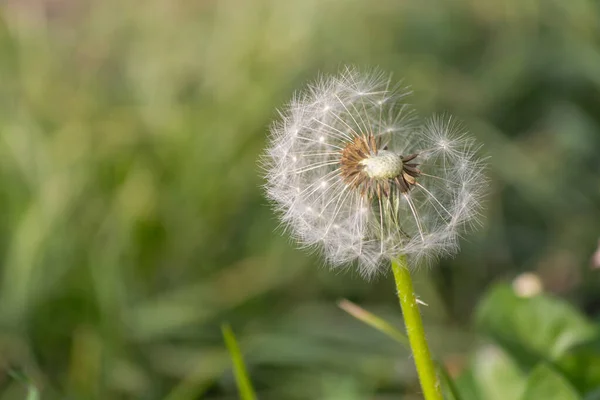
column 350, row 172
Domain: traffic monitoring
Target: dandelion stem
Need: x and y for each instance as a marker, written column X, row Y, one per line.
column 414, row 330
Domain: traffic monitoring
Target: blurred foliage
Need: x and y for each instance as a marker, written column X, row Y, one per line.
column 533, row 351
column 133, row 221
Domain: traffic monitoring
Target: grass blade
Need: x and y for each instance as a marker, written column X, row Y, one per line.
column 32, row 393
column 447, row 381
column 239, row 369
column 371, row 319
column 388, row 329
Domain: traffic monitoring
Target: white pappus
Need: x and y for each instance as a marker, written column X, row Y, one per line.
column 351, row 171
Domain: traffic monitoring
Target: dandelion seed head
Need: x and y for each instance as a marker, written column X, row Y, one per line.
column 352, row 173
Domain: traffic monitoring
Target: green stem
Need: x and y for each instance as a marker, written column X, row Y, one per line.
column 414, row 330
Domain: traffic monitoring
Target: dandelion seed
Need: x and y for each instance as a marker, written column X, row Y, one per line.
column 366, row 183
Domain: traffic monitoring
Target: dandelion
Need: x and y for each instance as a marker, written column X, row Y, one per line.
column 352, row 173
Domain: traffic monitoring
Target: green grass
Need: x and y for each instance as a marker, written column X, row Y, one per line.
column 242, row 379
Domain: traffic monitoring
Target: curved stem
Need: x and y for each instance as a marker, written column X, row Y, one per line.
column 414, row 330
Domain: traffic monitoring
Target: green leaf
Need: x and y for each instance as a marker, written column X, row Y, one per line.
column 497, row 375
column 581, row 365
column 532, row 329
column 492, row 375
column 241, row 375
column 547, row 384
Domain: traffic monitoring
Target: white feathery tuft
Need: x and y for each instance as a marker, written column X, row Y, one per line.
column 322, row 207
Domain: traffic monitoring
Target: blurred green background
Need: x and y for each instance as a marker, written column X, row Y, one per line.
column 133, row 224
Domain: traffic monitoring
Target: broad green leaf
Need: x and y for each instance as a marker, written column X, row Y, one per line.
column 581, row 365
column 492, row 375
column 531, row 329
column 497, row 375
column 544, row 383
